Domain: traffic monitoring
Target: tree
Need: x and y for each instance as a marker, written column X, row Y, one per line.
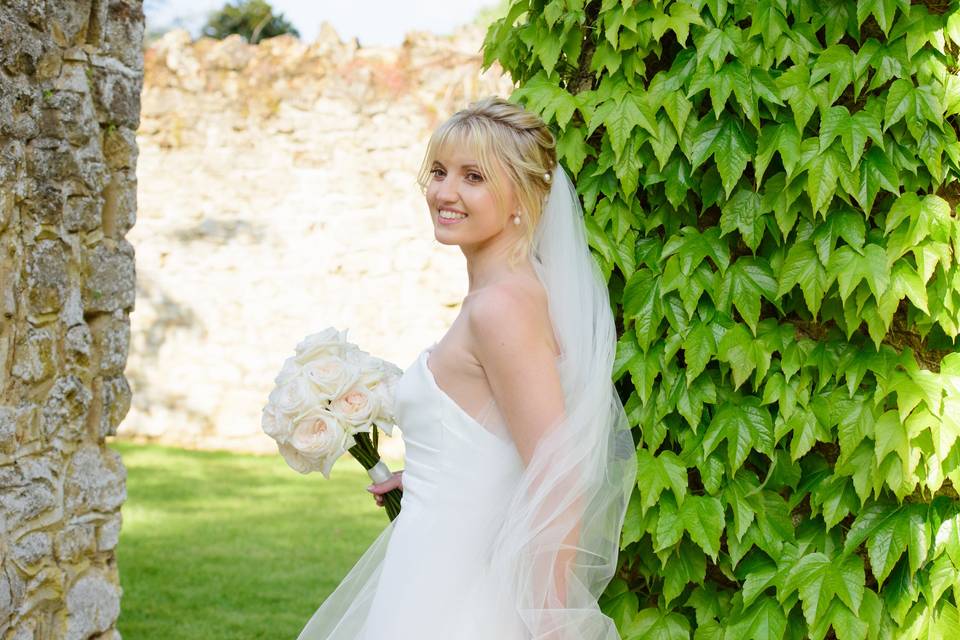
column 771, row 189
column 252, row 19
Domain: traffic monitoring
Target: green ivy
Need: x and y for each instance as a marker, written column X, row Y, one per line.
column 771, row 189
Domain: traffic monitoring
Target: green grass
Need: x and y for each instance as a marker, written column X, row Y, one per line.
column 217, row 545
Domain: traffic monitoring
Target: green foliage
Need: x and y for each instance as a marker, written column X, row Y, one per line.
column 252, row 19
column 771, row 189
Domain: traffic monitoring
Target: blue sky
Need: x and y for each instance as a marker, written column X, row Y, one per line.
column 374, row 22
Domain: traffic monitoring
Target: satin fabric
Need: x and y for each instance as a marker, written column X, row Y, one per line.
column 427, row 575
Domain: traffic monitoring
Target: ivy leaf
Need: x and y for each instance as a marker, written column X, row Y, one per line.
column 744, row 213
column 882, row 10
column 642, row 303
column 702, row 518
column 803, row 267
column 823, row 171
column 818, row 578
column 685, row 565
column 850, row 268
column 886, row 529
column 876, row 172
column 573, row 148
column 744, row 427
column 669, row 529
column 698, row 347
column 836, row 61
column 725, row 140
column 745, row 282
column 653, row 624
column 656, row 473
column 764, row 619
column 621, row 116
column 550, row 101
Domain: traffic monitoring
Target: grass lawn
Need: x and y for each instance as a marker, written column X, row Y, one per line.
column 217, row 545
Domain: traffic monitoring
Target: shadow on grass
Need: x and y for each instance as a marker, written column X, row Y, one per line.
column 220, row 545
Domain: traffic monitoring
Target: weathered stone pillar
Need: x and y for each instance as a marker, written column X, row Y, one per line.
column 70, row 80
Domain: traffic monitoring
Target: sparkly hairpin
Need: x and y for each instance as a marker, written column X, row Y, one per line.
column 546, row 176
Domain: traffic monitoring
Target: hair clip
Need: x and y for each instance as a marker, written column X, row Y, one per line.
column 546, row 176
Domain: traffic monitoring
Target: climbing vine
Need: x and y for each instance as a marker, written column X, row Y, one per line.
column 771, row 189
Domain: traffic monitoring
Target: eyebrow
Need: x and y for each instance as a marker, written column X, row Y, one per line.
column 466, row 166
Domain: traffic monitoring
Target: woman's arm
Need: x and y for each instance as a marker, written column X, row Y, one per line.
column 512, row 334
column 510, row 329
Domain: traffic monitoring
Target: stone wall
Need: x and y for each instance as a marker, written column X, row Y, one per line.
column 70, row 81
column 277, row 196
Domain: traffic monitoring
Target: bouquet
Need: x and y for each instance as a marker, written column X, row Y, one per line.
column 332, row 398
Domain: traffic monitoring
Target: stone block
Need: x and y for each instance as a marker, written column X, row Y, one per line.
column 108, row 533
column 115, row 398
column 45, row 204
column 120, row 148
column 93, row 605
column 75, row 541
column 31, row 551
column 22, row 102
column 64, row 410
column 47, row 277
column 119, row 204
column 78, row 343
column 82, row 213
column 109, row 278
column 96, row 481
column 35, row 352
column 111, row 339
column 23, row 504
column 123, row 33
column 116, row 95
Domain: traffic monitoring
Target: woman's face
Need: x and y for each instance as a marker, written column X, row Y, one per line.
column 462, row 202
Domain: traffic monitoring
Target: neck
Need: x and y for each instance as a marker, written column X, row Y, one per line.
column 487, row 262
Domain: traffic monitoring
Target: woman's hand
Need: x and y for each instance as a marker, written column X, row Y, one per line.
column 395, row 482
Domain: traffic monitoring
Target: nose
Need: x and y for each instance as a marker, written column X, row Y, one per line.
column 447, row 190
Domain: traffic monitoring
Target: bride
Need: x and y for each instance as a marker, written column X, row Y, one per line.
column 519, row 460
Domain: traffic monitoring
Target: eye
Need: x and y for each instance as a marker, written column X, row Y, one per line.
column 473, row 176
column 436, row 172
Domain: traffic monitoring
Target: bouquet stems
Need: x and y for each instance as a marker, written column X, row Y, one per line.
column 365, row 451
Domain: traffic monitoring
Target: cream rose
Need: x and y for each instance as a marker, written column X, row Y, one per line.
column 328, row 342
column 319, row 437
column 275, row 424
column 356, row 407
column 295, row 396
column 331, row 375
column 289, row 370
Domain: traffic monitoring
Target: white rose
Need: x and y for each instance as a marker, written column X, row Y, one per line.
column 297, row 461
column 275, row 424
column 289, row 370
column 328, row 342
column 386, row 393
column 319, row 437
column 356, row 407
column 294, row 396
column 330, row 375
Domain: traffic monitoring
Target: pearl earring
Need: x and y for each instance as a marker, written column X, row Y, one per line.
column 516, row 218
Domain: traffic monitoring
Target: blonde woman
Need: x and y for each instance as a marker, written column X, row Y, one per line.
column 519, row 461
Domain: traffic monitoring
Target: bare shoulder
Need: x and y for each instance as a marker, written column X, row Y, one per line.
column 510, row 314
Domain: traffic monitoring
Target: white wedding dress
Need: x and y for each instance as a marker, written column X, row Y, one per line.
column 425, row 577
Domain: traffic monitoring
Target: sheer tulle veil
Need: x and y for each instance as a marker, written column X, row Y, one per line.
column 558, row 546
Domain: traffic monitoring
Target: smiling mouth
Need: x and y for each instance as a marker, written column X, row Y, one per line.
column 446, row 214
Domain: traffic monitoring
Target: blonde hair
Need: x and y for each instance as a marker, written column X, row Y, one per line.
column 510, row 143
